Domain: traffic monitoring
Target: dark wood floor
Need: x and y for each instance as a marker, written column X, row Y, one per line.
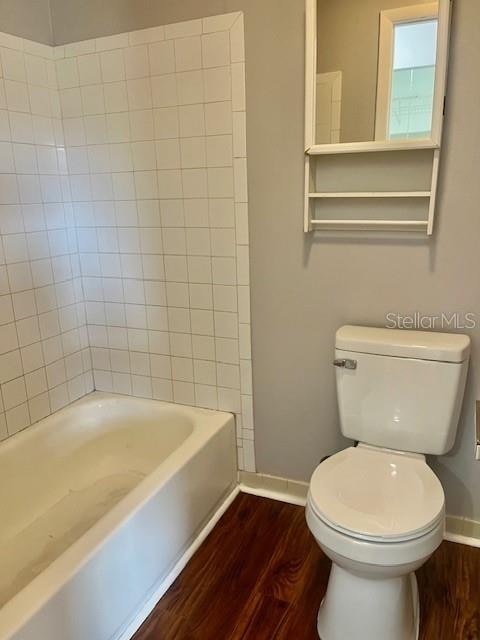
column 261, row 576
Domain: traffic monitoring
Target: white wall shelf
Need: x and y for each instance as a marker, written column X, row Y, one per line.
column 346, row 192
column 317, row 217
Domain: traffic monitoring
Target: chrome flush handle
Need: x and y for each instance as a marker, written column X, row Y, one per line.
column 345, row 363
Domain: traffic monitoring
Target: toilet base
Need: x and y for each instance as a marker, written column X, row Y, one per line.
column 366, row 608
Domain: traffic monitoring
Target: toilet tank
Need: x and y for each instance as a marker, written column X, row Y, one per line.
column 400, row 389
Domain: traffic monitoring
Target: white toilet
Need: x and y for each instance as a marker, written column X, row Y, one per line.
column 377, row 510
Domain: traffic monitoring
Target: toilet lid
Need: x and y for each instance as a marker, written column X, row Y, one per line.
column 374, row 494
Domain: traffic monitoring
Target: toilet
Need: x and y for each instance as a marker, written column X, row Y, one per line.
column 377, row 510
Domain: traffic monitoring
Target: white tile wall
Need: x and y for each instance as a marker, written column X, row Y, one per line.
column 124, row 222
column 44, row 354
column 155, row 143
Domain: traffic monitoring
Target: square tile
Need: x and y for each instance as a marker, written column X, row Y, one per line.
column 199, row 269
column 17, row 419
column 172, row 213
column 166, row 123
column 201, row 296
column 176, row 269
column 143, row 154
column 178, row 319
column 112, row 65
column 194, row 182
column 188, row 53
column 192, row 120
column 169, row 184
column 159, row 342
column 196, row 212
column 136, row 62
column 193, row 153
column 181, row 345
column 67, row 73
column 141, row 125
column 182, row 369
column 139, row 94
column 226, row 351
column 228, row 376
column 167, row 154
column 204, row 372
column 17, row 96
column 222, row 214
column 218, row 118
column 219, row 151
column 224, row 271
column 224, row 298
column 218, row 84
column 116, row 98
column 216, row 49
column 226, row 324
column 203, row 347
column 202, row 322
column 13, row 65
column 198, row 242
column 89, row 70
column 223, row 242
column 162, row 58
column 190, row 89
column 174, row 241
column 164, row 90
column 220, row 183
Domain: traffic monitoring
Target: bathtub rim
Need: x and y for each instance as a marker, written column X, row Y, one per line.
column 28, row 601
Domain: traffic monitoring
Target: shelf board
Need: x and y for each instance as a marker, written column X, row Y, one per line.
column 370, row 194
column 370, row 225
column 370, row 147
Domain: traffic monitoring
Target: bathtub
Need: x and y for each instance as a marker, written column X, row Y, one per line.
column 98, row 503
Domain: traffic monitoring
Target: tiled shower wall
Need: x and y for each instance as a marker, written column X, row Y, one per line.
column 44, row 355
column 154, row 125
column 124, row 222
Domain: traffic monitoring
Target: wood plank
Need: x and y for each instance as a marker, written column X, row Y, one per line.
column 449, row 586
column 260, row 575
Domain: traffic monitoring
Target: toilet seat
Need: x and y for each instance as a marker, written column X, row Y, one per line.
column 377, row 495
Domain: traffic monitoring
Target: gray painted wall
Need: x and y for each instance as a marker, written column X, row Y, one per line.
column 304, row 287
column 28, row 19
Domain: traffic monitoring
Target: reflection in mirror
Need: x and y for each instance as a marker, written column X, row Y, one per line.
column 375, row 70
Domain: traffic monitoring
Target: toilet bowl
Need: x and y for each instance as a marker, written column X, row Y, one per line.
column 377, row 510
column 378, row 515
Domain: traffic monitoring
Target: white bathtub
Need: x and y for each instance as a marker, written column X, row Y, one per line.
column 97, row 504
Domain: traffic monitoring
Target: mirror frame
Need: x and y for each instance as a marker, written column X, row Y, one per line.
column 434, row 142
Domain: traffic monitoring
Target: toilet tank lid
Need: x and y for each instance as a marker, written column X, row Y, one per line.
column 404, row 343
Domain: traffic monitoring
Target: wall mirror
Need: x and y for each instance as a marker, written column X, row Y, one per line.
column 377, row 72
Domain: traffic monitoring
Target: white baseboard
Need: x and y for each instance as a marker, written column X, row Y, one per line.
column 159, row 590
column 459, row 539
column 463, row 531
column 274, row 487
column 281, row 496
column 458, row 530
